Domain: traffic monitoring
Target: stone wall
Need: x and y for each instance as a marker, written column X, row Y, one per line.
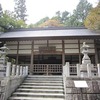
column 90, row 93
column 9, row 85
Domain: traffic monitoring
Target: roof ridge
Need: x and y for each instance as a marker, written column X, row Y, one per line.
column 44, row 28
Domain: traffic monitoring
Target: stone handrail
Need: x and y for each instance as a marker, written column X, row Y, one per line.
column 91, row 70
column 75, row 71
column 65, row 74
column 16, row 70
column 13, row 78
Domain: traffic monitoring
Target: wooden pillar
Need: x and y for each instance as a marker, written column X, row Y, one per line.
column 17, row 53
column 79, row 51
column 31, row 65
column 63, row 53
column 96, row 54
column 47, row 43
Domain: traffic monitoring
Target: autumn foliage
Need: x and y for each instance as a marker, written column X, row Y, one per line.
column 51, row 23
column 93, row 19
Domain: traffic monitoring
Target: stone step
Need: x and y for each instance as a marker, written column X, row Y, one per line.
column 43, row 84
column 46, row 79
column 40, row 90
column 33, row 98
column 28, row 94
column 43, row 76
column 41, row 87
column 42, row 81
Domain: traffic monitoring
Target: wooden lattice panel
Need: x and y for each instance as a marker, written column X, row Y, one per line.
column 73, row 70
column 39, row 69
column 55, row 68
column 47, row 69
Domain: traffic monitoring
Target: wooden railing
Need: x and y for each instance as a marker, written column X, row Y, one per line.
column 47, row 69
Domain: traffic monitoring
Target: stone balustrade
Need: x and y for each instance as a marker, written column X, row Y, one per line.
column 75, row 71
column 16, row 70
column 13, row 78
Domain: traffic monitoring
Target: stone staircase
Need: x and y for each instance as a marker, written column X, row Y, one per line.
column 40, row 88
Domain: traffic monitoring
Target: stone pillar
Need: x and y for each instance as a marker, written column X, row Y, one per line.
column 98, row 65
column 8, row 69
column 64, row 70
column 21, row 70
column 67, row 69
column 89, row 70
column 17, row 70
column 13, row 70
column 26, row 70
column 78, row 70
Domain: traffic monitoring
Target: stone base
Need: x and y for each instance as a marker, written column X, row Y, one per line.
column 86, row 61
column 90, row 93
column 83, row 74
column 2, row 74
column 83, row 68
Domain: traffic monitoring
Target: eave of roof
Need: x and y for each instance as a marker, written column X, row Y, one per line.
column 49, row 34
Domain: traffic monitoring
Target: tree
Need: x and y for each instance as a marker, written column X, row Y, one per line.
column 62, row 17
column 93, row 19
column 1, row 12
column 58, row 16
column 51, row 23
column 82, row 11
column 65, row 16
column 31, row 25
column 41, row 21
column 20, row 9
column 9, row 21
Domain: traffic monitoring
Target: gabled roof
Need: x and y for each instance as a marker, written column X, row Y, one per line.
column 52, row 33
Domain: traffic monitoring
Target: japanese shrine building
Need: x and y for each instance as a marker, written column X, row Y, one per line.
column 45, row 50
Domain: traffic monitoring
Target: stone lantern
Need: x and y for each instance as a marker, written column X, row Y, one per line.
column 85, row 51
column 4, row 50
column 3, row 53
column 85, row 60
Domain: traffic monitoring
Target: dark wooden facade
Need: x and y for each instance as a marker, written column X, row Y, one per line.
column 46, row 51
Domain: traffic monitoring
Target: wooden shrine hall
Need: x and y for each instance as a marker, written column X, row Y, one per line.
column 45, row 50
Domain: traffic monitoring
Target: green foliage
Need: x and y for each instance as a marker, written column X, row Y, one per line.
column 61, row 16
column 1, row 12
column 93, row 19
column 82, row 10
column 65, row 16
column 9, row 21
column 31, row 26
column 20, row 9
column 78, row 16
column 51, row 23
column 58, row 16
column 43, row 20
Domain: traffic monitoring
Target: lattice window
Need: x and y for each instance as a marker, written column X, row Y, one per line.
column 73, row 70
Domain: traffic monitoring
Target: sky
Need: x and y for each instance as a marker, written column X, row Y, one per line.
column 38, row 9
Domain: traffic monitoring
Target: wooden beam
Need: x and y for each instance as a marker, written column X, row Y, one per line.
column 31, row 64
column 96, row 53
column 79, row 51
column 63, row 53
column 17, row 53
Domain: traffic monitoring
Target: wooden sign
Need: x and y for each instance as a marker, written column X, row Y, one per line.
column 45, row 49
